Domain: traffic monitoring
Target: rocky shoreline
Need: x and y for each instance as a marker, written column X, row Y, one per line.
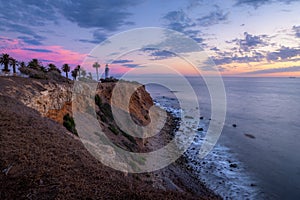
column 177, row 176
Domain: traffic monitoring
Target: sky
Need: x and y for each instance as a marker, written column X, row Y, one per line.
column 241, row 37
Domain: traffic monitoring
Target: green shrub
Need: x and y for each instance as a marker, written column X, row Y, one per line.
column 98, row 100
column 70, row 124
column 129, row 137
column 113, row 129
column 106, row 110
column 103, row 118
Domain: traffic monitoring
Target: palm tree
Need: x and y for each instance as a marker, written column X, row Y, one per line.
column 5, row 60
column 14, row 63
column 52, row 67
column 66, row 68
column 78, row 69
column 74, row 73
column 34, row 64
column 22, row 64
column 96, row 65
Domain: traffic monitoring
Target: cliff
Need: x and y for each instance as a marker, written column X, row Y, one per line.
column 53, row 100
column 49, row 98
column 40, row 159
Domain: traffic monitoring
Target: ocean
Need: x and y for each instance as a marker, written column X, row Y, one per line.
column 260, row 157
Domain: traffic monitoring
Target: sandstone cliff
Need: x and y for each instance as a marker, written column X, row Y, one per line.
column 54, row 100
column 40, row 161
column 50, row 99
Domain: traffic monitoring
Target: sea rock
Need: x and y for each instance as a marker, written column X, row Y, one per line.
column 233, row 165
column 234, row 125
column 249, row 135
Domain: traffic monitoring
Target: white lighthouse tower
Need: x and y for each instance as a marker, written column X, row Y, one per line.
column 106, row 71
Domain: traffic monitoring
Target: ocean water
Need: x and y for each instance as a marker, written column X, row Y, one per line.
column 267, row 164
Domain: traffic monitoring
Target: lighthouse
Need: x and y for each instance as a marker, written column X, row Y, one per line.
column 106, row 71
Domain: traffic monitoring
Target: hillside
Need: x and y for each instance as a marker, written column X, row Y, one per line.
column 40, row 159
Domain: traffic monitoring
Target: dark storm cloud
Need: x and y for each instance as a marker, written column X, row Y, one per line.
column 296, row 29
column 131, row 65
column 88, row 41
column 245, row 50
column 30, row 40
column 178, row 21
column 257, row 3
column 162, row 54
column 255, row 57
column 181, row 22
column 249, row 42
column 214, row 17
column 284, row 53
column 88, row 14
column 109, row 15
column 158, row 54
column 22, row 15
column 99, row 36
column 215, row 49
column 27, row 12
column 122, row 61
column 38, row 50
column 276, row 70
column 254, row 3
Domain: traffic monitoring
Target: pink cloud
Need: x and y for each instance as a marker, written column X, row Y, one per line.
column 47, row 54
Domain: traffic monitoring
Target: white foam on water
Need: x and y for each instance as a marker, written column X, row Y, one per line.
column 220, row 170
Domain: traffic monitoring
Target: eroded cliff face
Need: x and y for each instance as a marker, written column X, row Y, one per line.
column 139, row 104
column 54, row 100
column 50, row 99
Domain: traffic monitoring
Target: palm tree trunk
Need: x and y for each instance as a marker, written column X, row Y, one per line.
column 14, row 70
column 67, row 75
column 6, row 67
column 97, row 74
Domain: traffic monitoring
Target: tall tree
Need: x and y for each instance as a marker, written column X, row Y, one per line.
column 22, row 64
column 78, row 69
column 96, row 65
column 52, row 67
column 35, row 64
column 14, row 63
column 74, row 73
column 66, row 69
column 5, row 60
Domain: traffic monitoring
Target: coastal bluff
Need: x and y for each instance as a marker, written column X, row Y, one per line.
column 40, row 159
column 54, row 99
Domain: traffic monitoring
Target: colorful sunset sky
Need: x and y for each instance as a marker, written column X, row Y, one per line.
column 242, row 37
